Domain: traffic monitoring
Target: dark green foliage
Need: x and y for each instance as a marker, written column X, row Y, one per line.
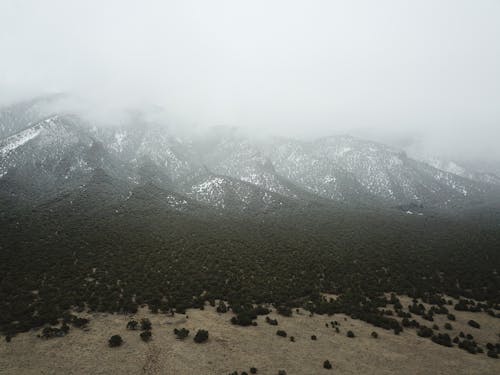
column 50, row 332
column 284, row 310
column 281, row 333
column 151, row 255
column 442, row 339
column 473, row 324
column 244, row 318
column 327, row 365
column 350, row 334
column 273, row 322
column 132, row 325
column 201, row 336
column 424, row 331
column 145, row 336
column 492, row 353
column 115, row 340
column 468, row 345
column 222, row 307
column 146, row 324
column 181, row 333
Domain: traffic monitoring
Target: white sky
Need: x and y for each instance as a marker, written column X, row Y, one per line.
column 390, row 70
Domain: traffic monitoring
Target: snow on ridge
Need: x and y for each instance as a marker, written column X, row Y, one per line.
column 17, row 140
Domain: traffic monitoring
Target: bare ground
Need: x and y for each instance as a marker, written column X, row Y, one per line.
column 233, row 348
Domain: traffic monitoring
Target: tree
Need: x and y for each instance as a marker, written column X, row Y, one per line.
column 115, row 341
column 201, row 336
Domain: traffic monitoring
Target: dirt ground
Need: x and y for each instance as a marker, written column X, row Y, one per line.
column 233, row 348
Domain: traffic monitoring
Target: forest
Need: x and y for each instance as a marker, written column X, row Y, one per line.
column 95, row 253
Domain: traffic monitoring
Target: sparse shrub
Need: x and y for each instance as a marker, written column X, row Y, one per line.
column 273, row 322
column 327, row 365
column 253, row 370
column 281, row 333
column 451, row 317
column 442, row 339
column 222, row 307
column 314, row 338
column 181, row 333
column 145, row 336
column 350, row 334
column 424, row 331
column 201, row 336
column 474, row 324
column 375, row 335
column 146, row 324
column 448, row 326
column 115, row 341
column 132, row 325
column 292, row 338
column 284, row 310
column 492, row 354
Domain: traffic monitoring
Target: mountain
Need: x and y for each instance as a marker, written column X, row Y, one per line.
column 224, row 169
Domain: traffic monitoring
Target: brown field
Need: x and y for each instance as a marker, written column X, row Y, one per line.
column 233, row 348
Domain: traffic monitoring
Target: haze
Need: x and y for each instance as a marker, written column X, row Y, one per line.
column 420, row 74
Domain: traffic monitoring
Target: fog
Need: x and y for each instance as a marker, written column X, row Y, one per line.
column 423, row 75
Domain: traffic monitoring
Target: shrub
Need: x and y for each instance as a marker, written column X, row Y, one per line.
column 375, row 335
column 327, row 365
column 146, row 324
column 350, row 334
column 474, row 324
column 132, row 325
column 272, row 322
column 145, row 336
column 115, row 341
column 451, row 317
column 492, row 354
column 253, row 370
column 181, row 333
column 284, row 310
column 442, row 339
column 201, row 336
column 292, row 338
column 448, row 326
column 281, row 333
column 424, row 331
column 314, row 338
column 222, row 308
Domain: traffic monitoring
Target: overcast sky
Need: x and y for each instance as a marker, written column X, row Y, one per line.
column 390, row 70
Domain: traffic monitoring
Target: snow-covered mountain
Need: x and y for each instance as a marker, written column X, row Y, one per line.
column 42, row 158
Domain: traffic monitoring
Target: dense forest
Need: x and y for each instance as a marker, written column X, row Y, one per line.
column 93, row 252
